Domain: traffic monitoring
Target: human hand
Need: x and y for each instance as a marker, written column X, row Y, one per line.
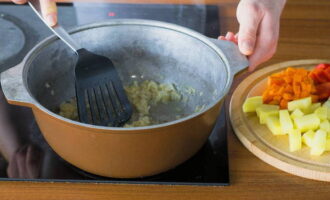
column 25, row 163
column 48, row 10
column 259, row 29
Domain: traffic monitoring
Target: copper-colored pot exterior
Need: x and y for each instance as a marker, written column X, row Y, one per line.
column 127, row 153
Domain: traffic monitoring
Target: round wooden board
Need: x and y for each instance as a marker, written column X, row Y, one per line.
column 274, row 150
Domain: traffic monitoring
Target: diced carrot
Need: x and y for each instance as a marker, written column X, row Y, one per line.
column 273, row 102
column 304, row 94
column 276, row 80
column 297, row 78
column 287, row 79
column 288, row 89
column 287, row 96
column 290, row 84
column 323, row 90
column 306, row 87
column 283, row 104
column 277, row 98
column 315, row 98
column 296, row 90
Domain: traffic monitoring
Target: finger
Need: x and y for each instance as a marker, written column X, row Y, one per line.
column 236, row 38
column 19, row 1
column 20, row 160
column 12, row 169
column 221, row 38
column 32, row 162
column 249, row 18
column 49, row 11
column 266, row 43
column 231, row 37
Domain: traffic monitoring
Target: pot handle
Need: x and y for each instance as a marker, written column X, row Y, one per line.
column 13, row 87
column 236, row 60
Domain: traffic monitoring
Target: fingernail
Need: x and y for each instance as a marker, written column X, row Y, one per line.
column 51, row 20
column 221, row 38
column 20, row 1
column 247, row 48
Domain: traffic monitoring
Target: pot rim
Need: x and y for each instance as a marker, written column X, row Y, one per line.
column 117, row 22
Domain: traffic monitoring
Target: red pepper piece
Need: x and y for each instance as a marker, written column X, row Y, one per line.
column 323, row 90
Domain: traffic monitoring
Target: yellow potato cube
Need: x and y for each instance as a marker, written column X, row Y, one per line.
column 264, row 111
column 327, row 105
column 307, row 122
column 273, row 124
column 252, row 103
column 294, row 140
column 325, row 125
column 312, row 108
column 319, row 142
column 297, row 113
column 307, row 138
column 327, row 144
column 264, row 107
column 322, row 113
column 302, row 104
column 285, row 121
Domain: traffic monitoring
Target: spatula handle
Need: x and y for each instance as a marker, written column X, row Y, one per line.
column 57, row 29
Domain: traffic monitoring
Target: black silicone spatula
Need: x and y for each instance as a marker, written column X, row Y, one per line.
column 101, row 97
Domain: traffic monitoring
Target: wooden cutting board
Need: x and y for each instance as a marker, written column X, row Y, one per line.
column 274, row 150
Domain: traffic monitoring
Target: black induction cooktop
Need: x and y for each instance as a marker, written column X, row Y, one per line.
column 20, row 30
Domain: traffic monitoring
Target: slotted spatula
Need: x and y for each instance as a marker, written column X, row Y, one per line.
column 101, row 98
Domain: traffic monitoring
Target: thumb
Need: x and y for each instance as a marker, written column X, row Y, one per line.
column 246, row 40
column 49, row 11
column 249, row 20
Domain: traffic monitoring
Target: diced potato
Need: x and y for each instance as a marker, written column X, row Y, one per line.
column 307, row 122
column 327, row 105
column 302, row 104
column 322, row 113
column 297, row 113
column 319, row 142
column 252, row 103
column 294, row 140
column 308, row 137
column 273, row 124
column 266, row 107
column 264, row 111
column 285, row 121
column 327, row 144
column 312, row 108
column 325, row 125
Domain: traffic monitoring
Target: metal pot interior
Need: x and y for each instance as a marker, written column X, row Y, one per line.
column 139, row 52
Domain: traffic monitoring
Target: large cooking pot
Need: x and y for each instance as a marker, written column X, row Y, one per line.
column 140, row 49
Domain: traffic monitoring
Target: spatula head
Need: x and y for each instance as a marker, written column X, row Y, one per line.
column 101, row 98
